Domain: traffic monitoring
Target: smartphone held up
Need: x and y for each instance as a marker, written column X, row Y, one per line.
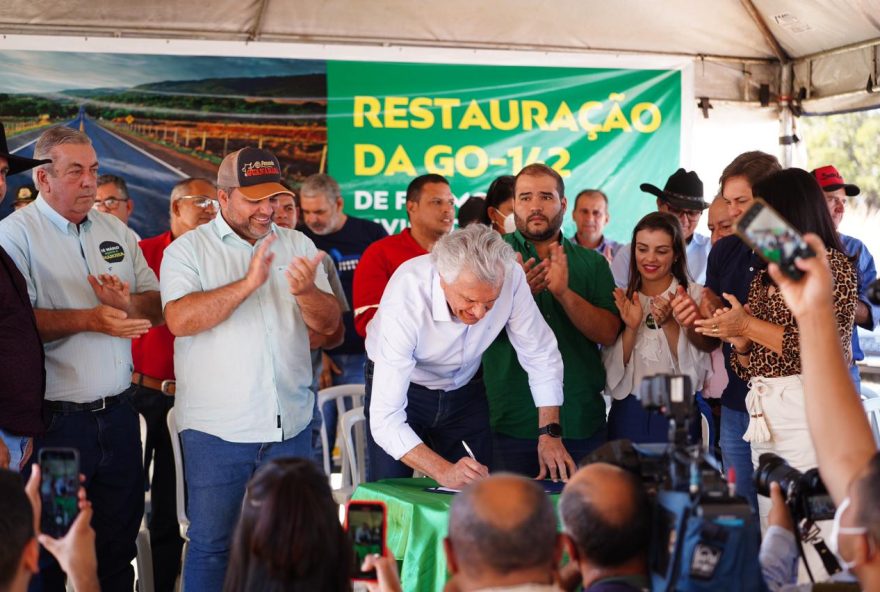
column 59, row 485
column 365, row 522
column 773, row 238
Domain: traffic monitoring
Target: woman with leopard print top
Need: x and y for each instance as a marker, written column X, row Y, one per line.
column 764, row 333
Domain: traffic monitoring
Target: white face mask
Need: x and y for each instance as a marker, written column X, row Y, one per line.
column 837, row 530
column 509, row 223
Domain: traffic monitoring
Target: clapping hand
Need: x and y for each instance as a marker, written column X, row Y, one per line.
column 630, row 309
column 301, row 273
column 111, row 291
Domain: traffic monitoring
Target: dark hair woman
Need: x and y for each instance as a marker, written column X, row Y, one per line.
column 499, row 205
column 766, row 351
column 289, row 537
column 652, row 341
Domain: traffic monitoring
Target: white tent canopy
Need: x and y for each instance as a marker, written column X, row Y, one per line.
column 825, row 52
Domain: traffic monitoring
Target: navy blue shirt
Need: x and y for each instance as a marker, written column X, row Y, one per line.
column 346, row 246
column 730, row 269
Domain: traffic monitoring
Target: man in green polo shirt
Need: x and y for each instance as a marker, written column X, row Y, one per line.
column 573, row 289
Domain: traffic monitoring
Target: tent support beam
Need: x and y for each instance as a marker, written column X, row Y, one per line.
column 771, row 40
column 839, row 50
column 245, row 36
column 258, row 24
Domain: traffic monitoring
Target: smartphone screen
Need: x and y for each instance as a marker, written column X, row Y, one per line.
column 773, row 238
column 365, row 522
column 59, row 468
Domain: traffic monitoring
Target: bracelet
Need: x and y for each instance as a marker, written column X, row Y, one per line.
column 744, row 353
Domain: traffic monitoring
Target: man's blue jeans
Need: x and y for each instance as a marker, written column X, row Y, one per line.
column 442, row 419
column 520, row 455
column 217, row 473
column 110, row 457
column 737, row 453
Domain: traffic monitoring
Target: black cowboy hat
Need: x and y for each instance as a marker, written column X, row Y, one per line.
column 17, row 164
column 683, row 190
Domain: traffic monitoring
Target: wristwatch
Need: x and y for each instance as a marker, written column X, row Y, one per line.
column 554, row 430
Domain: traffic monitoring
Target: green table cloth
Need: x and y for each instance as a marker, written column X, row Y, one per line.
column 417, row 525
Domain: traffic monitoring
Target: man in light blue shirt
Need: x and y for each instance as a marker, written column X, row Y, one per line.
column 92, row 292
column 242, row 296
column 836, row 192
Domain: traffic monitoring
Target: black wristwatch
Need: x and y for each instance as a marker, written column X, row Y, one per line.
column 554, row 430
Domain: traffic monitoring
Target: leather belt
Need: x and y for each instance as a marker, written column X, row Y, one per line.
column 166, row 387
column 97, row 405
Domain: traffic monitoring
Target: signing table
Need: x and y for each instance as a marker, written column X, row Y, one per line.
column 417, row 521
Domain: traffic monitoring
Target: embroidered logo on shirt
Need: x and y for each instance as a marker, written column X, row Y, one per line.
column 111, row 252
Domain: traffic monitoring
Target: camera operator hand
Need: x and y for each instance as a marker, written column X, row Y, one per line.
column 779, row 514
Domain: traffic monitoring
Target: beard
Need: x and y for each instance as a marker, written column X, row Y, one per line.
column 553, row 226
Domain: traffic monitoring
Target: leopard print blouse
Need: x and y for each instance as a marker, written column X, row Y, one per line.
column 771, row 307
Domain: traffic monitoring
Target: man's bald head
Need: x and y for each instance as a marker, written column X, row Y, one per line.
column 503, row 523
column 607, row 514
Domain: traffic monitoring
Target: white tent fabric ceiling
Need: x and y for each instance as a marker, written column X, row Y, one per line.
column 738, row 44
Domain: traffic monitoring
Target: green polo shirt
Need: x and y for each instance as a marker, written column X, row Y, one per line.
column 511, row 407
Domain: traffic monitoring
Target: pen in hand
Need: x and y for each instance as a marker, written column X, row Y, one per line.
column 468, row 450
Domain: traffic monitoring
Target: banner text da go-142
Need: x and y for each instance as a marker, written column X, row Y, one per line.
column 610, row 129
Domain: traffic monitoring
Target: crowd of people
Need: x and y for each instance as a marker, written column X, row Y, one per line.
column 482, row 349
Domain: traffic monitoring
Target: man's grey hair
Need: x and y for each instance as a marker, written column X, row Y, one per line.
column 477, row 249
column 51, row 139
column 321, row 184
column 116, row 181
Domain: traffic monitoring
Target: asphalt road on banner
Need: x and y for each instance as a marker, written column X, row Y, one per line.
column 149, row 178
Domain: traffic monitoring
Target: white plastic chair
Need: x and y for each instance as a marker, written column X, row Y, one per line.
column 354, row 437
column 705, row 429
column 872, row 408
column 148, row 496
column 179, row 485
column 340, row 394
column 144, row 562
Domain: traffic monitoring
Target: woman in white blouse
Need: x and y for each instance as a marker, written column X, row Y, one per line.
column 652, row 342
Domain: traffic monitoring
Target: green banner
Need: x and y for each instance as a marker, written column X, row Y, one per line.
column 609, row 129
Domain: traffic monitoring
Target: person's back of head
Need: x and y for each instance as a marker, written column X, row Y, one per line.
column 289, row 536
column 502, row 530
column 753, row 166
column 796, row 195
column 607, row 516
column 18, row 545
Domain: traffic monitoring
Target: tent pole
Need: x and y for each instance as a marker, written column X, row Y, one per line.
column 786, row 117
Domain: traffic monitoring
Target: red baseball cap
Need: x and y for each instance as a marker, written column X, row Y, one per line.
column 831, row 180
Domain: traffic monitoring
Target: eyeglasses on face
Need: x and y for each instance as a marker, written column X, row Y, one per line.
column 202, row 201
column 111, row 203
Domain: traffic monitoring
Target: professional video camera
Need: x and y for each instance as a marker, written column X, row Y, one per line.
column 705, row 537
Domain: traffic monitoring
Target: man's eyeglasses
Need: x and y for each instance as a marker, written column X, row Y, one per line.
column 691, row 214
column 202, row 201
column 111, row 203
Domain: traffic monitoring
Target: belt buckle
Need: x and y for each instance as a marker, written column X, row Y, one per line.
column 166, row 384
column 103, row 405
